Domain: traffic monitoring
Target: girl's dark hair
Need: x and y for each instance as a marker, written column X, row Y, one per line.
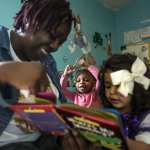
column 45, row 15
column 141, row 97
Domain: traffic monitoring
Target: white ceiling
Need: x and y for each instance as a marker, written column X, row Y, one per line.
column 114, row 5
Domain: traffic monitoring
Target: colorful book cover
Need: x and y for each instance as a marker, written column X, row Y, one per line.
column 98, row 126
column 43, row 117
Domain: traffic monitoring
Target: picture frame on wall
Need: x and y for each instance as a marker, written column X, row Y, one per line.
column 142, row 50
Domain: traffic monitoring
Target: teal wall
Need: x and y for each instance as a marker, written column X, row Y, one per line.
column 130, row 17
column 8, row 9
column 94, row 18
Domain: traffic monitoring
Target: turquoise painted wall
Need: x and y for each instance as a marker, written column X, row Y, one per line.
column 94, row 18
column 130, row 18
column 8, row 9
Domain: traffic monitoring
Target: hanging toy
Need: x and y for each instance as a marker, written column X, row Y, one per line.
column 79, row 39
column 97, row 39
column 65, row 59
column 109, row 44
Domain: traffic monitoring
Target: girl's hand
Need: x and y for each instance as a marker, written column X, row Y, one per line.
column 69, row 69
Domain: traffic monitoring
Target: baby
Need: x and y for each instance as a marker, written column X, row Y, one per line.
column 87, row 86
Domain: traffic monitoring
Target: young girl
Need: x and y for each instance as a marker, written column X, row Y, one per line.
column 87, row 86
column 125, row 87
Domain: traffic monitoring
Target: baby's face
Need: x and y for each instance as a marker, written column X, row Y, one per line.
column 85, row 83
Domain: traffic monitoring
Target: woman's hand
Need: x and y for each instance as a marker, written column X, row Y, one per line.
column 24, row 75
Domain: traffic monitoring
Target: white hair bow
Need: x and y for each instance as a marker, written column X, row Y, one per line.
column 126, row 79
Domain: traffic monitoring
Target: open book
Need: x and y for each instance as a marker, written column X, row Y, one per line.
column 99, row 126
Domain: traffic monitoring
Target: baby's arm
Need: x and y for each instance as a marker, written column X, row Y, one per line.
column 68, row 70
column 64, row 82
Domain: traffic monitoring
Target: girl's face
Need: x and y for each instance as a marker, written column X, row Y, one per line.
column 117, row 100
column 85, row 83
